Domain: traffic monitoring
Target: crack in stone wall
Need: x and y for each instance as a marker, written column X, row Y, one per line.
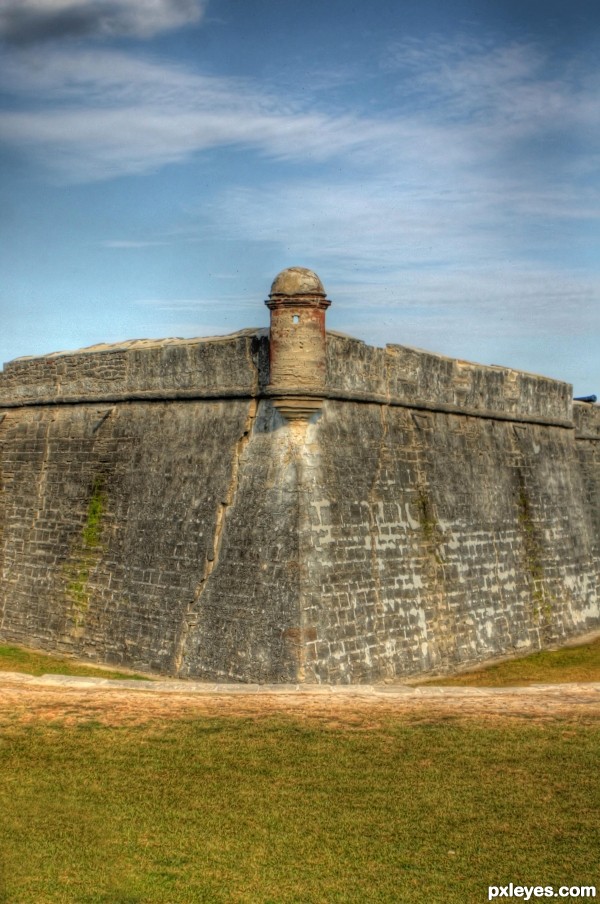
column 247, row 625
column 388, row 537
column 212, row 558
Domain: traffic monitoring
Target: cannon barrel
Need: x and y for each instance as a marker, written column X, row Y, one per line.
column 587, row 398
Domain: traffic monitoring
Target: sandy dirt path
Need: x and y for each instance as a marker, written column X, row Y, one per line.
column 71, row 701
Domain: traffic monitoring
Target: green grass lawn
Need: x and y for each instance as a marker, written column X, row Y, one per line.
column 580, row 663
column 553, row 667
column 33, row 662
column 274, row 811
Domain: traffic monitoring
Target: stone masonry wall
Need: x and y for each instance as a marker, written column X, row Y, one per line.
column 415, row 378
column 434, row 541
column 156, row 511
column 114, row 520
column 220, row 367
column 587, row 441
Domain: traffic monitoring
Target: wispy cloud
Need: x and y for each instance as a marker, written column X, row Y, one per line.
column 520, row 302
column 464, row 190
column 198, row 305
column 457, row 109
column 474, row 214
column 24, row 22
column 445, row 262
column 95, row 115
column 131, row 244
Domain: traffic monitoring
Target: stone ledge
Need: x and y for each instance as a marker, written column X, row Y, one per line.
column 305, row 690
column 236, row 366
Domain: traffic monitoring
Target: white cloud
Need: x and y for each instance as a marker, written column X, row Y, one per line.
column 503, row 96
column 461, row 109
column 33, row 21
column 199, row 305
column 442, row 261
column 462, row 192
column 95, row 115
column 128, row 244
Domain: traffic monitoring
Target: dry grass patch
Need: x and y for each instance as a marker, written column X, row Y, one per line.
column 581, row 663
column 33, row 662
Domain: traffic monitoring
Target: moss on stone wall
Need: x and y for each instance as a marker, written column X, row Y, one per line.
column 426, row 516
column 385, row 550
column 78, row 570
column 541, row 597
column 96, row 505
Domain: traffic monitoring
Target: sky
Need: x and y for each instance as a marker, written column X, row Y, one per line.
column 436, row 162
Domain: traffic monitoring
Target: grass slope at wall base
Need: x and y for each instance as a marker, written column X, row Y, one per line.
column 158, row 511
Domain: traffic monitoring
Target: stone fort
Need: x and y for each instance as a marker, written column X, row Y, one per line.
column 293, row 505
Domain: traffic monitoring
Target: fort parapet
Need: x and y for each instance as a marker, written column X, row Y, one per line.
column 293, row 504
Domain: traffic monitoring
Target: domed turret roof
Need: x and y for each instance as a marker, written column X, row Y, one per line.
column 297, row 281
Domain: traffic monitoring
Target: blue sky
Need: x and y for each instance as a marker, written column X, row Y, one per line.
column 435, row 162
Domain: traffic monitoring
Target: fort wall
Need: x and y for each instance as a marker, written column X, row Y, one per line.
column 415, row 514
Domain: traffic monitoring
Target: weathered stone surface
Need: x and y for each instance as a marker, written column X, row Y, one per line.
column 221, row 367
column 418, row 379
column 431, row 541
column 297, row 281
column 157, row 511
column 297, row 343
column 109, row 518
